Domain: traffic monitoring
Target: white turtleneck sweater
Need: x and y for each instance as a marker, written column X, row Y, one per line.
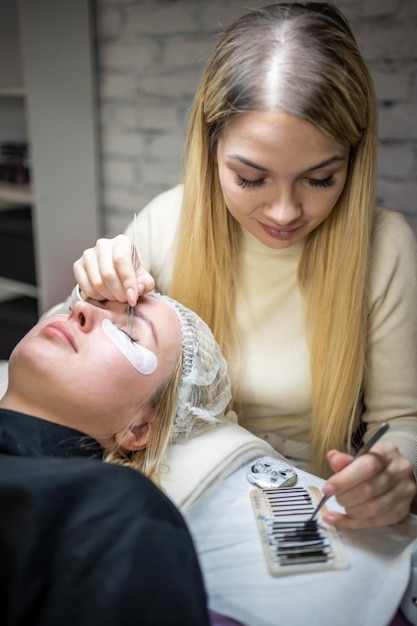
column 274, row 376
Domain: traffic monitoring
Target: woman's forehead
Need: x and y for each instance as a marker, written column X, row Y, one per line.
column 163, row 316
column 157, row 306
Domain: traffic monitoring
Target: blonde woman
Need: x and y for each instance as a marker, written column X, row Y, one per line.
column 275, row 240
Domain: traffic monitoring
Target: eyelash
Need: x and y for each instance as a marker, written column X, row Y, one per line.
column 132, row 339
column 325, row 182
column 103, row 304
column 254, row 184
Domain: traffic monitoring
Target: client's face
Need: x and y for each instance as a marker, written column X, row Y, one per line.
column 82, row 370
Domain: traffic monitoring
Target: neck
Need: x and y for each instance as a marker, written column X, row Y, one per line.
column 16, row 402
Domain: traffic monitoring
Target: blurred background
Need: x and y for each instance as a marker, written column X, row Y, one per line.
column 94, row 103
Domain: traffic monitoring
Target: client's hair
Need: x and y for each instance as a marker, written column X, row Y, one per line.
column 192, row 398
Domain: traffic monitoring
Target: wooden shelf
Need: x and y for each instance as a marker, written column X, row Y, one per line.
column 10, row 289
column 16, row 194
column 12, row 92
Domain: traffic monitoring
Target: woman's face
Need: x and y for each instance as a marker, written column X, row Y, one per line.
column 280, row 175
column 81, row 370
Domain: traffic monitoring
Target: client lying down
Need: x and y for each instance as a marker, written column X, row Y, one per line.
column 132, row 395
column 85, row 542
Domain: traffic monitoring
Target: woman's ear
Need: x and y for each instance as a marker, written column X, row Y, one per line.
column 136, row 437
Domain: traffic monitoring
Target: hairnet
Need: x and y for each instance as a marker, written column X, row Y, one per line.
column 204, row 391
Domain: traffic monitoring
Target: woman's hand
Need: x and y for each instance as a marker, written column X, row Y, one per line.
column 375, row 490
column 106, row 272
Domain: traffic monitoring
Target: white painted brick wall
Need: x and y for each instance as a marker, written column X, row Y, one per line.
column 150, row 57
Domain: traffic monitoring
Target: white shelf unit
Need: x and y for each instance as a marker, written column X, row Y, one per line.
column 13, row 127
column 47, row 98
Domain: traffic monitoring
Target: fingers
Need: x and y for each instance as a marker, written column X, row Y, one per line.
column 106, row 272
column 338, row 460
column 375, row 490
column 386, row 509
column 144, row 281
column 97, row 272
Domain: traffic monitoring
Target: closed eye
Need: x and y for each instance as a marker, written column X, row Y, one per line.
column 102, row 304
column 132, row 339
column 251, row 184
column 324, row 182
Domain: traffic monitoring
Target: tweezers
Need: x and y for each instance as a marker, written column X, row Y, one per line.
column 130, row 312
column 377, row 435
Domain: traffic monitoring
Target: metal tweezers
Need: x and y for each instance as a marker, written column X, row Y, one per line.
column 130, row 312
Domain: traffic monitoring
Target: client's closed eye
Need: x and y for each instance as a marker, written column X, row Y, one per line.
column 132, row 339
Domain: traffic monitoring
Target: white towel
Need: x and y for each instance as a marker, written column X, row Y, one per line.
column 4, row 377
column 198, row 462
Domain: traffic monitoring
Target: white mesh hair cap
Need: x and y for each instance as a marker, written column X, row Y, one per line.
column 204, row 391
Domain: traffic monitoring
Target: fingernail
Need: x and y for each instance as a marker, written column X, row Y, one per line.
column 329, row 518
column 329, row 489
column 131, row 296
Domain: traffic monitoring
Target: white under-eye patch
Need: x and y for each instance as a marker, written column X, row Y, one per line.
column 142, row 359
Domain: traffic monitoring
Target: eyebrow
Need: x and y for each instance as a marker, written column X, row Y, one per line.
column 334, row 159
column 150, row 324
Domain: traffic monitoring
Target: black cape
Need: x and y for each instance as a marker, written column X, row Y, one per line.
column 83, row 542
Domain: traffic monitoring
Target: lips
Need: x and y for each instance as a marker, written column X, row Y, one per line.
column 62, row 331
column 279, row 233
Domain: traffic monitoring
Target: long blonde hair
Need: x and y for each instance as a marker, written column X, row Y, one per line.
column 300, row 59
column 162, row 406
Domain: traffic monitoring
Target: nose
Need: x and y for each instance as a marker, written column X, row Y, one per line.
column 87, row 315
column 284, row 207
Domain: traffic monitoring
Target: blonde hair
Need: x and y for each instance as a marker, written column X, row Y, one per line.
column 163, row 406
column 192, row 398
column 300, row 59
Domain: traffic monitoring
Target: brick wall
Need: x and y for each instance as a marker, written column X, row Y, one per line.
column 150, row 56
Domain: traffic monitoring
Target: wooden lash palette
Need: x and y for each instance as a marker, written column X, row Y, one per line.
column 293, row 544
